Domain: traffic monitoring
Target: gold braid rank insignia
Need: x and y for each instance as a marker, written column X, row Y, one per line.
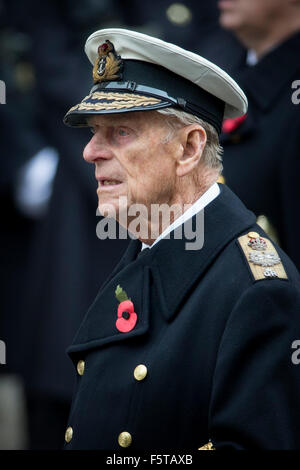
column 262, row 257
column 108, row 65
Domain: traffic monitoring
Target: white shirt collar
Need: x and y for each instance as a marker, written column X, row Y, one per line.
column 251, row 58
column 198, row 205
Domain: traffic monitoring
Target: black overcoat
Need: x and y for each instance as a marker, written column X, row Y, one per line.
column 215, row 341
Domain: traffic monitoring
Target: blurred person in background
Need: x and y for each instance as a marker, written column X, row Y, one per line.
column 261, row 150
column 20, row 140
column 53, row 262
column 186, row 23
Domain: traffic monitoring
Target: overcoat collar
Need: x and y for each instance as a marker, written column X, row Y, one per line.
column 172, row 269
column 177, row 270
column 276, row 70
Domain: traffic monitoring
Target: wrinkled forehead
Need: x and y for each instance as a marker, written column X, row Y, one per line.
column 137, row 119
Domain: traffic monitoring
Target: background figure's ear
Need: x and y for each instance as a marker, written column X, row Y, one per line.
column 193, row 139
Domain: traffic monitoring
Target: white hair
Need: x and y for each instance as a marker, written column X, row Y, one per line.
column 212, row 154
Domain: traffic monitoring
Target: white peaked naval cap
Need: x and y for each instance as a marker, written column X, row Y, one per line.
column 136, row 72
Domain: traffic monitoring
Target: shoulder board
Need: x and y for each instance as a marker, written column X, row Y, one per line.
column 263, row 259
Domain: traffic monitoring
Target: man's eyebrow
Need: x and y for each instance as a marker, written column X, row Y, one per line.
column 122, row 119
column 135, row 127
column 109, row 122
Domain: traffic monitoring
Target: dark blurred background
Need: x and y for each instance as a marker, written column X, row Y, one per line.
column 52, row 263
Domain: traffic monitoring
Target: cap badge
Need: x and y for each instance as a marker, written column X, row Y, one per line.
column 108, row 64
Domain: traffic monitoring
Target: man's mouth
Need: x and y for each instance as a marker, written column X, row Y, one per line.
column 109, row 182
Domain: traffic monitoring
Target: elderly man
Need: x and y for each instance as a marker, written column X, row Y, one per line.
column 183, row 348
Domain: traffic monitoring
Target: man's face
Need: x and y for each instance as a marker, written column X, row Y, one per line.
column 238, row 15
column 133, row 159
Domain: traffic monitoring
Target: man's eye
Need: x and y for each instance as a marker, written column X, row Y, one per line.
column 122, row 132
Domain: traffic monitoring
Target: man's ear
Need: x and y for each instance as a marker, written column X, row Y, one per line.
column 193, row 140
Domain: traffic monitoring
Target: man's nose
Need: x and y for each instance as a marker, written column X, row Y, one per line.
column 96, row 150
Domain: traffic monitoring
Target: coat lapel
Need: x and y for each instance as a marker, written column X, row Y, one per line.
column 99, row 325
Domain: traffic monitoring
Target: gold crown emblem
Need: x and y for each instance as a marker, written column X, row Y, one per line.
column 108, row 64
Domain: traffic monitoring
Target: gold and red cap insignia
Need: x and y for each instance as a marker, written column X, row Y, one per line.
column 108, row 66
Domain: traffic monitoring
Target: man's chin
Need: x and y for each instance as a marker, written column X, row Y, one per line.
column 229, row 21
column 115, row 210
column 107, row 209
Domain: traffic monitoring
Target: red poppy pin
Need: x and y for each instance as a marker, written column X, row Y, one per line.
column 230, row 125
column 127, row 317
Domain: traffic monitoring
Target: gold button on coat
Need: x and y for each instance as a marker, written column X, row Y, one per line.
column 140, row 372
column 80, row 367
column 124, row 439
column 69, row 434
